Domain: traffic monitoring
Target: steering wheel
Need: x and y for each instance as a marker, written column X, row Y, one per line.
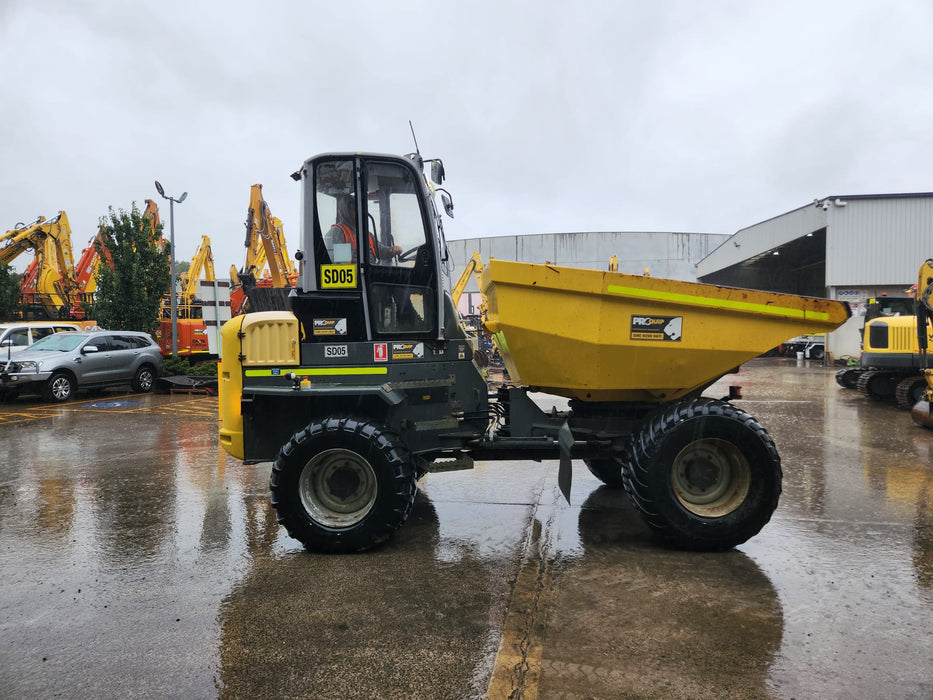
column 409, row 254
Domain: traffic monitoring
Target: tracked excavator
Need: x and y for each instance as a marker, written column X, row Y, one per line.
column 255, row 288
column 890, row 364
column 49, row 281
column 367, row 382
column 921, row 410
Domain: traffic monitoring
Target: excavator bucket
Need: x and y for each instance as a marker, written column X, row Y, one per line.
column 607, row 336
column 921, row 410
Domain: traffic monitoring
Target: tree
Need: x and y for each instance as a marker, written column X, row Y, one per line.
column 9, row 292
column 131, row 287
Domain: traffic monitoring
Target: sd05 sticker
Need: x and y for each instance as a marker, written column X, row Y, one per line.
column 668, row 328
column 338, row 276
column 336, row 351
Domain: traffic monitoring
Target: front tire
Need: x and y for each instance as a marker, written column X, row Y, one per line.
column 705, row 475
column 342, row 485
column 60, row 387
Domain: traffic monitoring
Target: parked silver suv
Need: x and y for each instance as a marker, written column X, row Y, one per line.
column 59, row 365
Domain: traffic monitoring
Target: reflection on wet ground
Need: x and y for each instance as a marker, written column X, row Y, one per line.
column 137, row 560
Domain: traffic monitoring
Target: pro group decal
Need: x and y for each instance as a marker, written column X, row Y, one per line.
column 338, row 276
column 407, row 351
column 329, row 326
column 667, row 328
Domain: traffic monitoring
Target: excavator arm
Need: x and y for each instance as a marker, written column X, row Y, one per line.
column 265, row 245
column 18, row 240
column 50, row 279
column 262, row 226
column 474, row 267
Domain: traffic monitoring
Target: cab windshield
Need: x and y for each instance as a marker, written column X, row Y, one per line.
column 59, row 342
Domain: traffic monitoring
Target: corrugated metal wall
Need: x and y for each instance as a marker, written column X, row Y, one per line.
column 669, row 255
column 878, row 241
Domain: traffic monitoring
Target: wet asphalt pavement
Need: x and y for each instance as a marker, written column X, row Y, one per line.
column 137, row 560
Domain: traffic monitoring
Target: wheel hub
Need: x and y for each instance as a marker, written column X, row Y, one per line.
column 710, row 477
column 338, row 488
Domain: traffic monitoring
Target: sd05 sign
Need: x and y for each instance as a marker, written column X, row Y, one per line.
column 338, row 276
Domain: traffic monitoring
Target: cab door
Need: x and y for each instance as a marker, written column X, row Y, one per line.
column 401, row 268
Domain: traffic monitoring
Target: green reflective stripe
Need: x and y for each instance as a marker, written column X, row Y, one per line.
column 717, row 303
column 319, row 371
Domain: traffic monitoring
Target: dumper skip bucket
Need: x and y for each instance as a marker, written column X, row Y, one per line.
column 607, row 336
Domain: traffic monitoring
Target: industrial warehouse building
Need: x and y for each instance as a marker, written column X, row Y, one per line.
column 847, row 247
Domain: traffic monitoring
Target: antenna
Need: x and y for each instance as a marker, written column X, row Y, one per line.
column 414, row 138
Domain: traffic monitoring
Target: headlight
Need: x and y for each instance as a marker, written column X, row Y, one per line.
column 26, row 366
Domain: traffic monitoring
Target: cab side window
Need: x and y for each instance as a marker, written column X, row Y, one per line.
column 102, row 343
column 121, row 342
column 20, row 337
column 38, row 333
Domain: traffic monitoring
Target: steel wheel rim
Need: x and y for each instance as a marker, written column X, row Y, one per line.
column 145, row 380
column 338, row 488
column 61, row 388
column 710, row 477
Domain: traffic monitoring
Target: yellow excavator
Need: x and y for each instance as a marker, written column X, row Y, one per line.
column 473, row 267
column 50, row 280
column 921, row 410
column 265, row 245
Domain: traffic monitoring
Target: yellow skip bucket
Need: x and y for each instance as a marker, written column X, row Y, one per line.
column 607, row 336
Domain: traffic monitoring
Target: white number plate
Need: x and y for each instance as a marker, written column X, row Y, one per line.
column 336, row 351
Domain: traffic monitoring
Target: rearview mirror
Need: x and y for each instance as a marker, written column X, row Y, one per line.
column 88, row 349
column 437, row 172
column 448, row 204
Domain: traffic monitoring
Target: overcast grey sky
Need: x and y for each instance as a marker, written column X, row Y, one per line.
column 550, row 116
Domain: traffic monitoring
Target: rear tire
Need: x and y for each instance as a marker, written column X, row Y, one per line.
column 342, row 485
column 144, row 379
column 608, row 470
column 705, row 475
column 60, row 387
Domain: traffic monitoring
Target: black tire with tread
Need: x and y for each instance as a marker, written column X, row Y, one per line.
column 391, row 465
column 608, row 470
column 675, row 431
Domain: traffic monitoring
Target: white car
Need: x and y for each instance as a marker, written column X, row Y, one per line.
column 19, row 335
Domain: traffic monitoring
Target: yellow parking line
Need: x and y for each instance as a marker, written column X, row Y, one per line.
column 516, row 671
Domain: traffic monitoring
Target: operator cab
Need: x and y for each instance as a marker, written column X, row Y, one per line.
column 372, row 250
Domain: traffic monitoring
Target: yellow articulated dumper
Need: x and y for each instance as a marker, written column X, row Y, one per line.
column 368, row 382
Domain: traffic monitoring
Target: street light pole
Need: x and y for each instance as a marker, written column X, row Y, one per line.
column 171, row 258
